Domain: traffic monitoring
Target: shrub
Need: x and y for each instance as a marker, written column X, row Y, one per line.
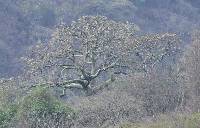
column 110, row 108
column 40, row 109
column 192, row 121
column 8, row 106
column 7, row 114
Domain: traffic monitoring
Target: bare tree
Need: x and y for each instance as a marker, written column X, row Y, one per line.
column 95, row 48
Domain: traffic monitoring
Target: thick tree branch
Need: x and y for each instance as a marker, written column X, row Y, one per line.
column 76, row 81
column 104, row 69
column 73, row 85
column 76, row 67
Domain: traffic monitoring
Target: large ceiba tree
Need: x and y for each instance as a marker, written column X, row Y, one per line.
column 94, row 48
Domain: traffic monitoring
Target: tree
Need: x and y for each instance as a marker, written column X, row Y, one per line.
column 40, row 109
column 93, row 47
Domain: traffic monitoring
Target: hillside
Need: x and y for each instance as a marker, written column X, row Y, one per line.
column 99, row 64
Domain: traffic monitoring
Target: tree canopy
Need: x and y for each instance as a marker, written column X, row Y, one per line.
column 94, row 47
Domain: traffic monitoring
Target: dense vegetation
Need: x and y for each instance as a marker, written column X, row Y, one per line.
column 100, row 64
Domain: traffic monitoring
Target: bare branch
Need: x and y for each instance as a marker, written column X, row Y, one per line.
column 104, row 69
column 76, row 81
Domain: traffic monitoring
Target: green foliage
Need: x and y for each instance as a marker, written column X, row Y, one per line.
column 7, row 115
column 8, row 106
column 38, row 108
column 40, row 102
column 193, row 121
